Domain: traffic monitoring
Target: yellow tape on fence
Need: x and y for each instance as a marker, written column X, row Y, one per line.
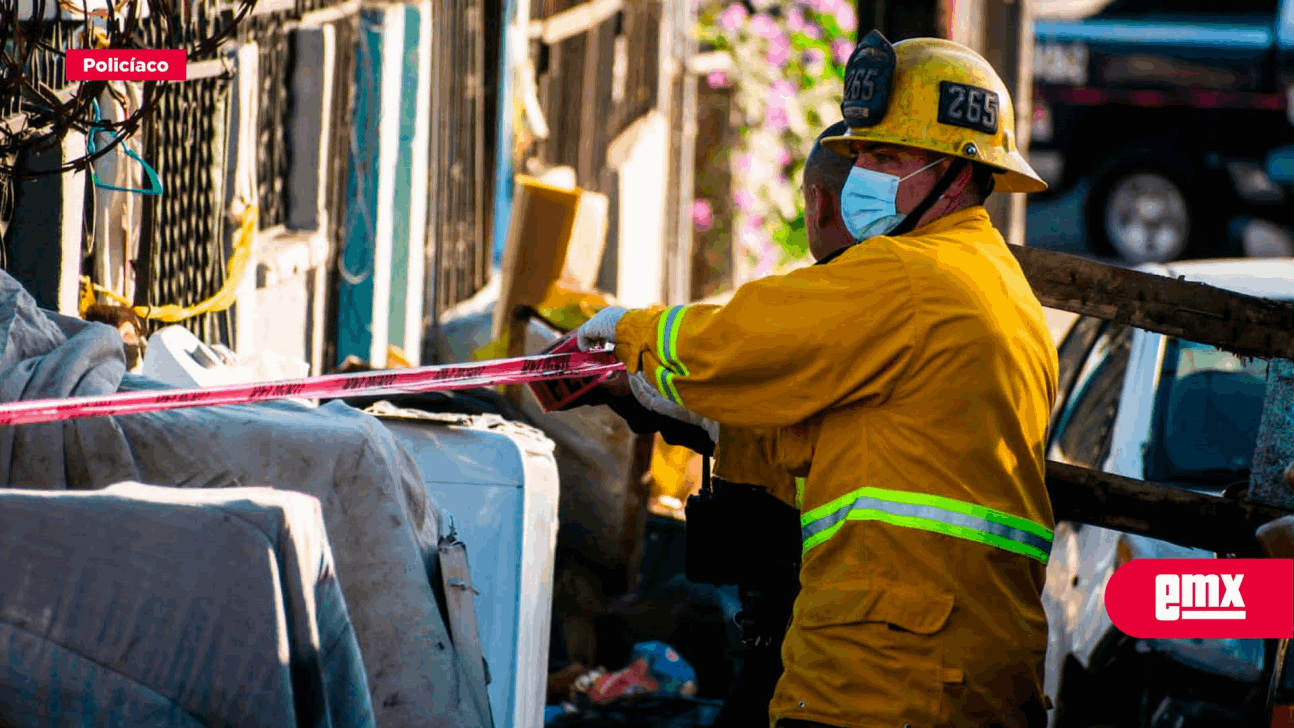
column 223, row 299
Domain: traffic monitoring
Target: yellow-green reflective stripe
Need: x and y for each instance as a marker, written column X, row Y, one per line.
column 667, row 343
column 969, row 534
column 928, row 512
column 924, row 499
column 799, row 492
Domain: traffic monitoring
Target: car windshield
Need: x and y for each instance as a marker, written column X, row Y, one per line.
column 1208, row 407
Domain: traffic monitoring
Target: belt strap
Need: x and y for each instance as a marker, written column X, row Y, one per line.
column 947, row 516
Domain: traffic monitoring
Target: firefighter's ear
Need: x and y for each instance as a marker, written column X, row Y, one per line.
column 819, row 206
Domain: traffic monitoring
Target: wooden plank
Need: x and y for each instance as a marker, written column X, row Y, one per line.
column 588, row 240
column 1245, row 325
column 579, row 19
column 586, row 161
column 538, row 236
column 460, row 603
column 1224, row 525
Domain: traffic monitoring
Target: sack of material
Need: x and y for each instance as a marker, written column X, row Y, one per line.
column 140, row 605
column 383, row 528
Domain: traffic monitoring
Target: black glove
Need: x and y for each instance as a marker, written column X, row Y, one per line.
column 645, row 422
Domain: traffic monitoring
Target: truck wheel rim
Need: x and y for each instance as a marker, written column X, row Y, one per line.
column 1146, row 218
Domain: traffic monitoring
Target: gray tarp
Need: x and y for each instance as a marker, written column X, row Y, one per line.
column 139, row 605
column 382, row 527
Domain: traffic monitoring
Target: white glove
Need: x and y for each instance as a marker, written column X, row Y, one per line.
column 648, row 397
column 599, row 330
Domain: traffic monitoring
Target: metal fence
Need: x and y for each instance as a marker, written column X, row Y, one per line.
column 459, row 204
column 270, row 33
column 182, row 241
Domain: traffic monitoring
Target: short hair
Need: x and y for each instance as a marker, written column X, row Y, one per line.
column 824, row 167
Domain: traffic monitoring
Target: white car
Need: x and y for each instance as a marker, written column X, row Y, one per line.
column 1153, row 407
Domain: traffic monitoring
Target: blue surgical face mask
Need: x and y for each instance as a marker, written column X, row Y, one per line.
column 867, row 201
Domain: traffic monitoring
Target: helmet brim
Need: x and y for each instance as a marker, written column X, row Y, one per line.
column 1015, row 176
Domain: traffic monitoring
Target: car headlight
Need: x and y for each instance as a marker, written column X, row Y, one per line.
column 1241, row 660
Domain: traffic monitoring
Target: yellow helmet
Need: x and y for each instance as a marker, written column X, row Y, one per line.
column 936, row 95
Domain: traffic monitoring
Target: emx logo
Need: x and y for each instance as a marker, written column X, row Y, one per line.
column 1203, row 598
column 1195, row 596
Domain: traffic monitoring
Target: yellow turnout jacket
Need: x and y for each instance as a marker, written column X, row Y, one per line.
column 899, row 396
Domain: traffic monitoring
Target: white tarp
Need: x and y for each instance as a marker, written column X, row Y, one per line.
column 381, row 524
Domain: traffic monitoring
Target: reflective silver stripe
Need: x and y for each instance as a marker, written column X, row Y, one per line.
column 930, row 513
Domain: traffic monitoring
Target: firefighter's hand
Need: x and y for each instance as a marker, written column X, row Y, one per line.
column 599, row 330
column 617, row 394
column 648, row 397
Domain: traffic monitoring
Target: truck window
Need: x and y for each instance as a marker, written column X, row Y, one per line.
column 1086, row 426
column 1207, row 412
column 1071, row 354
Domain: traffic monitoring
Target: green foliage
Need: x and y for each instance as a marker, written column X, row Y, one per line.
column 788, row 84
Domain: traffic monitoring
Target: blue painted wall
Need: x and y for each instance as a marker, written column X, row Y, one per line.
column 355, row 284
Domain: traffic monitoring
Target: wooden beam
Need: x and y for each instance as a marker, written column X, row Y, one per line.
column 1245, row 325
column 579, row 19
column 1187, row 518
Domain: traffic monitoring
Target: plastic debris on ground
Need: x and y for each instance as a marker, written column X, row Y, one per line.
column 657, row 688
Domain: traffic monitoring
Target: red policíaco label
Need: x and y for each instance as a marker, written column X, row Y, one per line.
column 124, row 64
column 1203, row 598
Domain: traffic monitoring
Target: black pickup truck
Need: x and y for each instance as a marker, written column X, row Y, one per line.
column 1170, row 122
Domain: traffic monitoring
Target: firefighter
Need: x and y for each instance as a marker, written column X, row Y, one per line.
column 902, row 387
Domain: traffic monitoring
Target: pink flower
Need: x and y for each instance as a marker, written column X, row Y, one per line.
column 846, row 18
column 814, row 57
column 764, row 27
column 781, row 92
column 744, row 200
column 779, row 49
column 717, row 79
column 813, row 31
column 744, row 163
column 733, row 17
column 702, row 215
column 776, row 119
column 841, row 49
column 783, row 157
column 795, row 20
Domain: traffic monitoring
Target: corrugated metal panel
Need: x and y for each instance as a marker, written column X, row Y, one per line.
column 270, row 34
column 182, row 252
column 456, row 227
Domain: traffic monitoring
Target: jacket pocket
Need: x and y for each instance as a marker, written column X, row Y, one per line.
column 922, row 611
column 872, row 645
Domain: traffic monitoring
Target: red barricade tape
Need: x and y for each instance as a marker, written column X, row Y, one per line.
column 444, row 377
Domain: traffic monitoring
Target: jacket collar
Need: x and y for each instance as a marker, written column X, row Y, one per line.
column 975, row 216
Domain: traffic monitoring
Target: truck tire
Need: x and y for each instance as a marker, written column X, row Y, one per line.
column 1142, row 213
